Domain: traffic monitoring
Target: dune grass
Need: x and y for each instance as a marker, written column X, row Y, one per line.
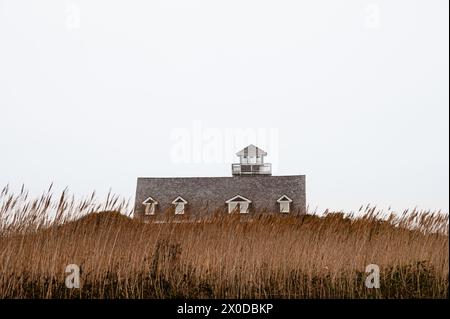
column 221, row 256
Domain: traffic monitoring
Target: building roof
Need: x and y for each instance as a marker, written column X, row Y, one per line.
column 211, row 193
column 251, row 151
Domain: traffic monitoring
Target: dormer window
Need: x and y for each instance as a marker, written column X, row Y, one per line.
column 179, row 204
column 150, row 206
column 238, row 204
column 285, row 203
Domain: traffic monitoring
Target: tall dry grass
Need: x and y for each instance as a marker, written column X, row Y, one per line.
column 221, row 256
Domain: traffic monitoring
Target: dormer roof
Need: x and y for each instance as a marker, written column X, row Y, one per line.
column 179, row 200
column 238, row 198
column 251, row 151
column 284, row 198
column 149, row 200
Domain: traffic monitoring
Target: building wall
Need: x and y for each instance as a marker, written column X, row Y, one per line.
column 206, row 194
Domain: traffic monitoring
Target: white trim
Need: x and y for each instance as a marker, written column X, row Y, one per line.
column 151, row 199
column 285, row 204
column 242, row 204
column 285, row 207
column 242, row 207
column 150, row 209
column 175, row 201
column 150, row 206
column 283, row 201
column 244, row 199
column 179, row 207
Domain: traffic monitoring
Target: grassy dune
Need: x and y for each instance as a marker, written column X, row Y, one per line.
column 218, row 257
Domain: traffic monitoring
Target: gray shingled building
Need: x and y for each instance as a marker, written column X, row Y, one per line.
column 251, row 188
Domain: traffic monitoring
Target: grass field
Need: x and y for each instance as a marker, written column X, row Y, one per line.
column 222, row 256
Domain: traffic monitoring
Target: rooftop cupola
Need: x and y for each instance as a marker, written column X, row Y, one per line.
column 251, row 162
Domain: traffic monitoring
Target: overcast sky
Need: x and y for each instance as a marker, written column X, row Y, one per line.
column 353, row 94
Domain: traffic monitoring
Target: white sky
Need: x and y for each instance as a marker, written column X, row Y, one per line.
column 354, row 94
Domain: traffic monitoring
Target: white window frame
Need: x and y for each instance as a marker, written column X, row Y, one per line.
column 244, row 204
column 285, row 204
column 179, row 207
column 150, row 206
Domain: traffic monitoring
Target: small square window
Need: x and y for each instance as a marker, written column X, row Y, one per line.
column 284, row 207
column 150, row 209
